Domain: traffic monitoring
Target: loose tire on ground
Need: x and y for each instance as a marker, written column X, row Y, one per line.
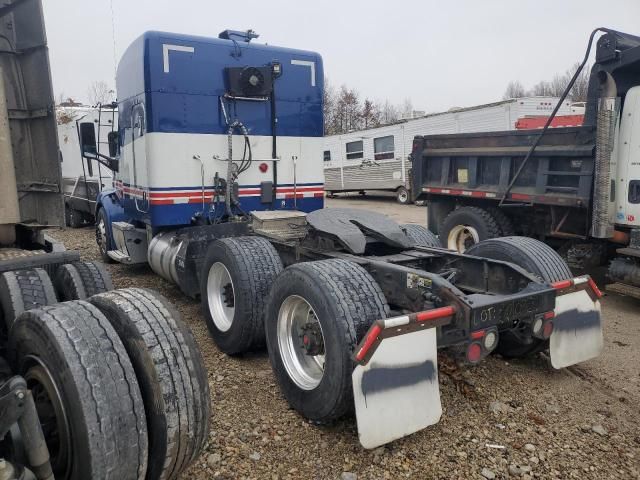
column 85, row 390
column 68, row 283
column 95, row 277
column 535, row 257
column 22, row 290
column 236, row 278
column 171, row 374
column 504, row 222
column 467, row 226
column 345, row 300
column 422, row 236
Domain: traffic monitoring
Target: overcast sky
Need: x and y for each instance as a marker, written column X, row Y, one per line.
column 438, row 54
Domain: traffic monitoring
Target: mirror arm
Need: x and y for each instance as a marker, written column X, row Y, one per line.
column 109, row 162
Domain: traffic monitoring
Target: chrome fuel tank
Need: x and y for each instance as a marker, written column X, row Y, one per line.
column 162, row 254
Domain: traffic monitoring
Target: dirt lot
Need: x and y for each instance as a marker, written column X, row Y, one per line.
column 517, row 419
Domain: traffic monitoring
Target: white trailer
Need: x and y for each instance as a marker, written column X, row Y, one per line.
column 378, row 158
column 81, row 183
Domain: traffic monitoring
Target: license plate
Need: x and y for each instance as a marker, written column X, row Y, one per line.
column 396, row 392
column 577, row 330
column 503, row 314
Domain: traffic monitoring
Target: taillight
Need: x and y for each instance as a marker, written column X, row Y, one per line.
column 547, row 330
column 263, row 167
column 474, row 352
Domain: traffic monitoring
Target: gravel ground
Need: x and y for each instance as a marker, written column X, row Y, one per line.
column 516, row 419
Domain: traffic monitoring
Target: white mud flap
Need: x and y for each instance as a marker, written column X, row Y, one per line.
column 396, row 392
column 577, row 329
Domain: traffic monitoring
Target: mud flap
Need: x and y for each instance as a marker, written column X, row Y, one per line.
column 577, row 329
column 396, row 392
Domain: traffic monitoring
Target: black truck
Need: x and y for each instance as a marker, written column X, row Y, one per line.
column 575, row 188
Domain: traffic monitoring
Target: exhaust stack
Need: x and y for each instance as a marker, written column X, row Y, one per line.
column 608, row 108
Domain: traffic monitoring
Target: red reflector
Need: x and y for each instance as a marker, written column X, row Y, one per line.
column 435, row 314
column 478, row 334
column 474, row 352
column 561, row 285
column 547, row 330
column 263, row 167
column 372, row 336
column 595, row 288
column 549, row 315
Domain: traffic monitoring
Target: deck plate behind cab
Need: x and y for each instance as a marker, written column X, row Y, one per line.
column 397, row 392
column 350, row 225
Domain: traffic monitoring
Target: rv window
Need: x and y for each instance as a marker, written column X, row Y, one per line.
column 327, row 155
column 383, row 148
column 634, row 191
column 355, row 150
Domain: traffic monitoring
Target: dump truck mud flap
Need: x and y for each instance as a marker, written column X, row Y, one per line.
column 577, row 330
column 395, row 383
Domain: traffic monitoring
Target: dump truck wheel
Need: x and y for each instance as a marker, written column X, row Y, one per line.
column 316, row 314
column 85, row 391
column 73, row 218
column 103, row 239
column 466, row 226
column 420, row 235
column 22, row 290
column 535, row 257
column 236, row 278
column 504, row 222
column 170, row 372
column 402, row 196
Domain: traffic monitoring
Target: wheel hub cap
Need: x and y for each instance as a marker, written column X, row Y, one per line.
column 221, row 296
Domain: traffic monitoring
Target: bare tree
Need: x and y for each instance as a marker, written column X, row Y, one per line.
column 370, row 114
column 406, row 109
column 100, row 93
column 388, row 113
column 580, row 87
column 328, row 107
column 515, row 89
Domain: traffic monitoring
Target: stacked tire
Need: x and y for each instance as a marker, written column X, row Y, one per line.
column 117, row 378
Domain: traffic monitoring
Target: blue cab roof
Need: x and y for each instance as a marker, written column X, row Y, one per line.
column 181, row 78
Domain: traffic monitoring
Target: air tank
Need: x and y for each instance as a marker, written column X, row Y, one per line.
column 162, row 253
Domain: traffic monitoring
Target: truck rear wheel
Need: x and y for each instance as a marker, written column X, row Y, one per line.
column 422, row 236
column 466, row 226
column 85, row 391
column 171, row 374
column 81, row 280
column 316, row 314
column 236, row 278
column 535, row 257
column 504, row 222
column 22, row 290
column 73, row 218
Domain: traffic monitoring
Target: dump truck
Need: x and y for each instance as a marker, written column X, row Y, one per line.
column 95, row 383
column 218, row 188
column 576, row 188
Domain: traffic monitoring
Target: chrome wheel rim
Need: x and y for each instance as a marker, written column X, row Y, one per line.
column 221, row 296
column 301, row 342
column 403, row 196
column 462, row 237
column 101, row 235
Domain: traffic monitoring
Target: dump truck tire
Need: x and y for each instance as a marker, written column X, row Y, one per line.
column 343, row 301
column 85, row 390
column 22, row 290
column 466, row 226
column 236, row 278
column 170, row 372
column 504, row 222
column 422, row 236
column 73, row 218
column 535, row 257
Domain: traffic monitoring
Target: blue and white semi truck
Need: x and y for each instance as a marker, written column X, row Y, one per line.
column 219, row 187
